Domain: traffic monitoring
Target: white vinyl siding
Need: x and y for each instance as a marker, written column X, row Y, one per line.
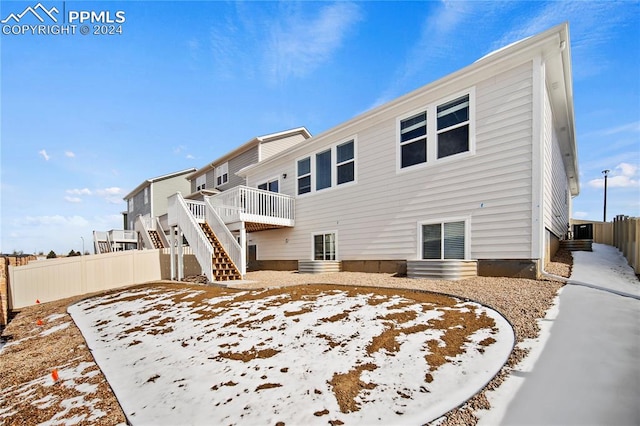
column 556, row 185
column 270, row 148
column 376, row 218
column 162, row 189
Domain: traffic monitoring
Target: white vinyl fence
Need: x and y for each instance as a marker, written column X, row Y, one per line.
column 54, row 279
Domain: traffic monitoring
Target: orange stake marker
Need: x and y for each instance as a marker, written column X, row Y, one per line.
column 39, row 322
column 37, row 300
column 54, row 375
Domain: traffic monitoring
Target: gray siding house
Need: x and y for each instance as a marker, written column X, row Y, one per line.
column 146, row 206
column 222, row 173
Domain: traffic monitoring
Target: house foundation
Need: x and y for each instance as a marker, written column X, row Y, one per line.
column 512, row 268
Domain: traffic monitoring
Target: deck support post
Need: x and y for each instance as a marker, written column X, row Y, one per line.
column 172, row 250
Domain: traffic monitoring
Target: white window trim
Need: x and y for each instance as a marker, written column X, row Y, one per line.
column 221, row 170
column 273, row 179
column 201, row 182
column 297, row 177
column 313, row 251
column 334, row 167
column 432, row 132
column 146, row 195
column 467, row 234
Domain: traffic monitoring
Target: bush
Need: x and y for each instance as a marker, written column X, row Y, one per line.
column 52, row 255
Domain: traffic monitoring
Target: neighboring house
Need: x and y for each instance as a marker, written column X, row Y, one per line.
column 221, row 174
column 146, row 212
column 473, row 173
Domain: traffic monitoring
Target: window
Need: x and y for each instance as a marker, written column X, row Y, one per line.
column 201, row 182
column 443, row 240
column 345, row 163
column 329, row 168
column 323, row 170
column 453, row 127
column 271, row 185
column 146, row 195
column 222, row 174
column 131, row 206
column 413, row 140
column 304, row 175
column 439, row 131
column 324, row 246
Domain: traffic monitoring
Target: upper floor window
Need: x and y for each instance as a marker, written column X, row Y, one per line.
column 304, row 175
column 131, row 206
column 453, row 127
column 323, row 170
column 439, row 131
column 146, row 195
column 329, row 168
column 222, row 174
column 201, row 182
column 345, row 162
column 413, row 140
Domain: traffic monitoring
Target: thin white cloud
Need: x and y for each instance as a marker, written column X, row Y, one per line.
column 44, row 154
column 114, row 190
column 190, row 157
column 75, row 191
column 580, row 215
column 297, row 45
column 623, row 176
column 73, row 199
column 69, row 154
column 112, row 195
column 56, row 220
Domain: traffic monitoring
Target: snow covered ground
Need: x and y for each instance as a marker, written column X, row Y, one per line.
column 301, row 355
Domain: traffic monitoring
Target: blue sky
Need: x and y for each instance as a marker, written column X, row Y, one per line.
column 86, row 118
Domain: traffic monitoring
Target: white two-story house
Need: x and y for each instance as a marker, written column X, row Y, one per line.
column 471, row 174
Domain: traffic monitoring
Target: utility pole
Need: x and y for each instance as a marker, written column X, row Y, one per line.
column 606, row 174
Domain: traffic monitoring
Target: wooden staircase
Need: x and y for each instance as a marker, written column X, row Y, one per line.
column 223, row 267
column 155, row 239
column 104, row 247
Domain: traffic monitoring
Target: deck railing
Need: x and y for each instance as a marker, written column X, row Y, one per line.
column 254, row 205
column 226, row 238
column 181, row 212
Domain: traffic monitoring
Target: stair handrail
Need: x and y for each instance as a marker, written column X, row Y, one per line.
column 163, row 236
column 202, row 248
column 225, row 237
column 142, row 228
